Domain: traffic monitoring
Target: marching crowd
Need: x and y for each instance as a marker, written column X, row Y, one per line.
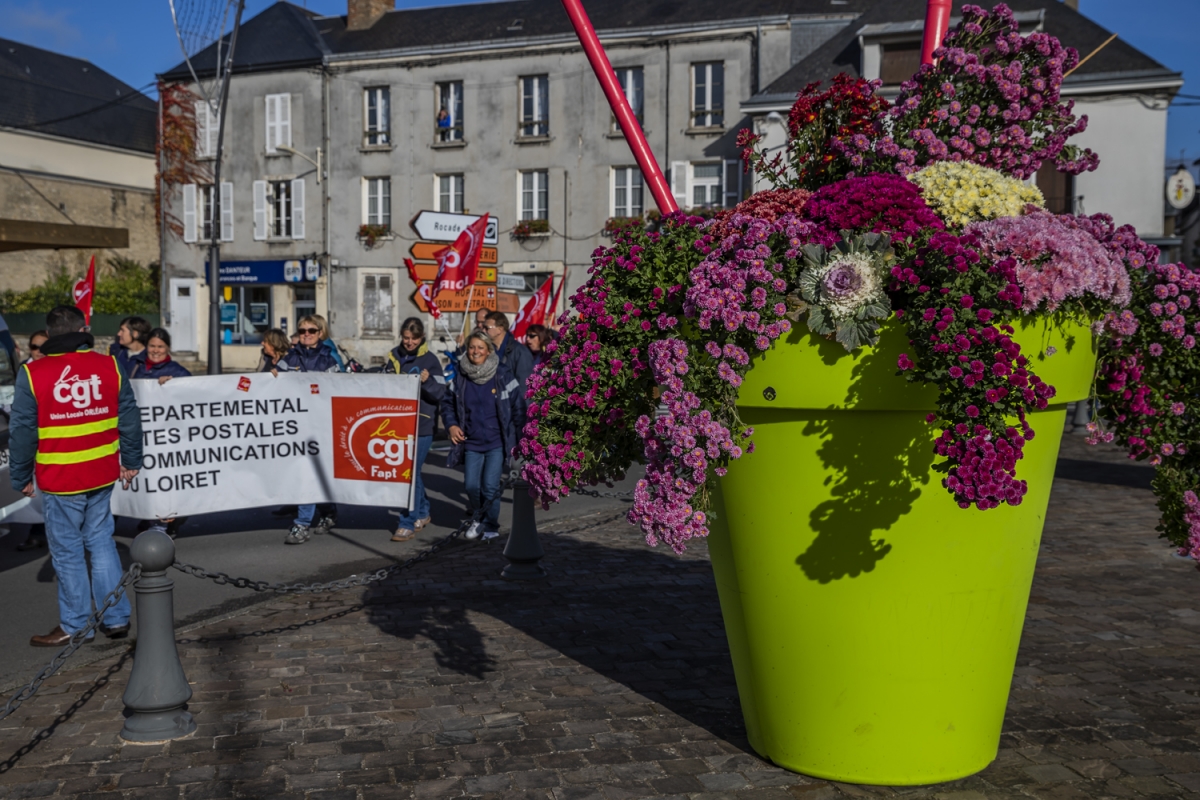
column 74, row 460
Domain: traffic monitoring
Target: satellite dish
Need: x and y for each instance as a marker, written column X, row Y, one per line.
column 1181, row 189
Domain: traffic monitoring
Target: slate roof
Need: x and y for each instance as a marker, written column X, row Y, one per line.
column 1119, row 60
column 285, row 35
column 51, row 93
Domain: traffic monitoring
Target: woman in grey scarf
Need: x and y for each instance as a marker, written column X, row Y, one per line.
column 484, row 413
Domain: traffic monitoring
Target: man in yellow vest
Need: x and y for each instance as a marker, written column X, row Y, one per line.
column 76, row 429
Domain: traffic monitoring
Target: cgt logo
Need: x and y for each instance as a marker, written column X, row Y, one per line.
column 76, row 389
column 375, row 439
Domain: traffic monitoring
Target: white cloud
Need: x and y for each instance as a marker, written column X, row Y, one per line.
column 37, row 26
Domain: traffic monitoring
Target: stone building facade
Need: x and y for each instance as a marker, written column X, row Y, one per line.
column 371, row 118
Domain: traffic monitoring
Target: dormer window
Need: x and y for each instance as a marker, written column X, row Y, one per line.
column 899, row 62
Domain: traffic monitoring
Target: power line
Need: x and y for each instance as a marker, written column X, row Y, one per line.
column 124, row 98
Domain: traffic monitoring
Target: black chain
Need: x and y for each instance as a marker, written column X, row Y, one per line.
column 77, row 640
column 224, row 579
column 611, row 495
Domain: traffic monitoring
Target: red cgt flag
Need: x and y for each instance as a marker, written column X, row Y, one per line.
column 84, row 290
column 422, row 289
column 534, row 312
column 458, row 262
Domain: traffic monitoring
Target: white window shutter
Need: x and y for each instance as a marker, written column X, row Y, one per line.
column 732, row 182
column 272, row 122
column 260, row 211
column 298, row 208
column 226, row 211
column 189, row 212
column 202, row 127
column 680, row 172
column 285, row 120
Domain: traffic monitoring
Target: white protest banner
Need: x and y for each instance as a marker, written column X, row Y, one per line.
column 224, row 442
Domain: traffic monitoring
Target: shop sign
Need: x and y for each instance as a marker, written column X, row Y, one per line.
column 270, row 271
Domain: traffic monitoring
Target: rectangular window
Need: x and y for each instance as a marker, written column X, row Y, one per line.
column 708, row 95
column 377, row 114
column 246, row 316
column 626, row 192
column 279, row 209
column 535, row 198
column 279, row 121
column 450, row 193
column 706, row 185
column 900, row 62
column 1057, row 187
column 198, row 212
column 632, row 82
column 204, row 209
column 377, row 305
column 449, row 119
column 377, row 201
column 535, row 106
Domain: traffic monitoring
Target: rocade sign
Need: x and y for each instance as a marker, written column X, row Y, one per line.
column 224, row 442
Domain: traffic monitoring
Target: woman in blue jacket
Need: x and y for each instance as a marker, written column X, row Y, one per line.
column 155, row 364
column 412, row 357
column 484, row 413
column 158, row 364
column 310, row 356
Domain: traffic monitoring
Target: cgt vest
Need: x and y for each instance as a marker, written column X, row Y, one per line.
column 78, row 441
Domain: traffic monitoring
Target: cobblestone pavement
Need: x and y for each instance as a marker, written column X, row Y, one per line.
column 612, row 680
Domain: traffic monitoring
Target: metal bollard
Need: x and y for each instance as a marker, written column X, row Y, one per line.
column 1083, row 415
column 523, row 550
column 158, row 691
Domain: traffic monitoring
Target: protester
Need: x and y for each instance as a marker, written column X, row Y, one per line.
column 275, row 346
column 327, row 342
column 157, row 363
column 480, row 321
column 412, row 357
column 483, row 412
column 311, row 355
column 130, row 345
column 536, row 339
column 37, row 531
column 513, row 354
column 76, row 469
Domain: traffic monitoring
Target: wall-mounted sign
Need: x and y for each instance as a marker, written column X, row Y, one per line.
column 483, row 297
column 269, row 271
column 514, row 282
column 441, row 226
column 1181, row 189
column 428, row 272
column 427, row 251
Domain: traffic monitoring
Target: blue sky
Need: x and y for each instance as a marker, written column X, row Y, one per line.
column 134, row 39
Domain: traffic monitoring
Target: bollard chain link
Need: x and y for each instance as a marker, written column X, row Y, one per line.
column 78, row 639
column 224, row 579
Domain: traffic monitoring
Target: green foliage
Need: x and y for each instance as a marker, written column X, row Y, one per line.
column 126, row 287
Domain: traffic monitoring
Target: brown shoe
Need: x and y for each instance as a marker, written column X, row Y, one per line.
column 55, row 638
column 421, row 523
column 403, row 534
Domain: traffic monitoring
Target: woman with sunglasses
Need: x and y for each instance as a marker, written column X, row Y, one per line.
column 412, row 357
column 311, row 355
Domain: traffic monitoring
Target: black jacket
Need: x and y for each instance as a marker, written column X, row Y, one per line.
column 400, row 362
column 510, row 411
column 517, row 357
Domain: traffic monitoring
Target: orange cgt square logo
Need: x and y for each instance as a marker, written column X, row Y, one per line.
column 375, row 439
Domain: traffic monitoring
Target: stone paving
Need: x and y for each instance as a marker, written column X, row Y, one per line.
column 612, row 680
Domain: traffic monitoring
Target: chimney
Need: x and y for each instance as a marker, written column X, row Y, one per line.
column 362, row 14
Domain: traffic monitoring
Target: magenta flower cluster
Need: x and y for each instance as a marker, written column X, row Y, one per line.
column 876, row 203
column 1056, row 259
column 993, row 99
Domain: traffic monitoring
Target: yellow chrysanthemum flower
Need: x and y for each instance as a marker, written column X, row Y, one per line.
column 961, row 192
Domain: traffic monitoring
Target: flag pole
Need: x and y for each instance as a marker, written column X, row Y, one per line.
column 467, row 312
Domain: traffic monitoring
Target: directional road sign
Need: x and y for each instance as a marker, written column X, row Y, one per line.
column 426, row 251
column 440, row 226
column 484, row 297
column 428, row 272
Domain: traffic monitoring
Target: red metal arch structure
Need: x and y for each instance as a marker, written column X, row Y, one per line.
column 937, row 20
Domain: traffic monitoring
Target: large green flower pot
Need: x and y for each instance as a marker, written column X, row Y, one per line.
column 873, row 623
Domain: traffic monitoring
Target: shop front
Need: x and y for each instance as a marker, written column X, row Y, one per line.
column 260, row 295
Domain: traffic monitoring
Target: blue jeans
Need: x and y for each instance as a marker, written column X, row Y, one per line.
column 420, row 502
column 305, row 514
column 76, row 523
column 481, row 476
